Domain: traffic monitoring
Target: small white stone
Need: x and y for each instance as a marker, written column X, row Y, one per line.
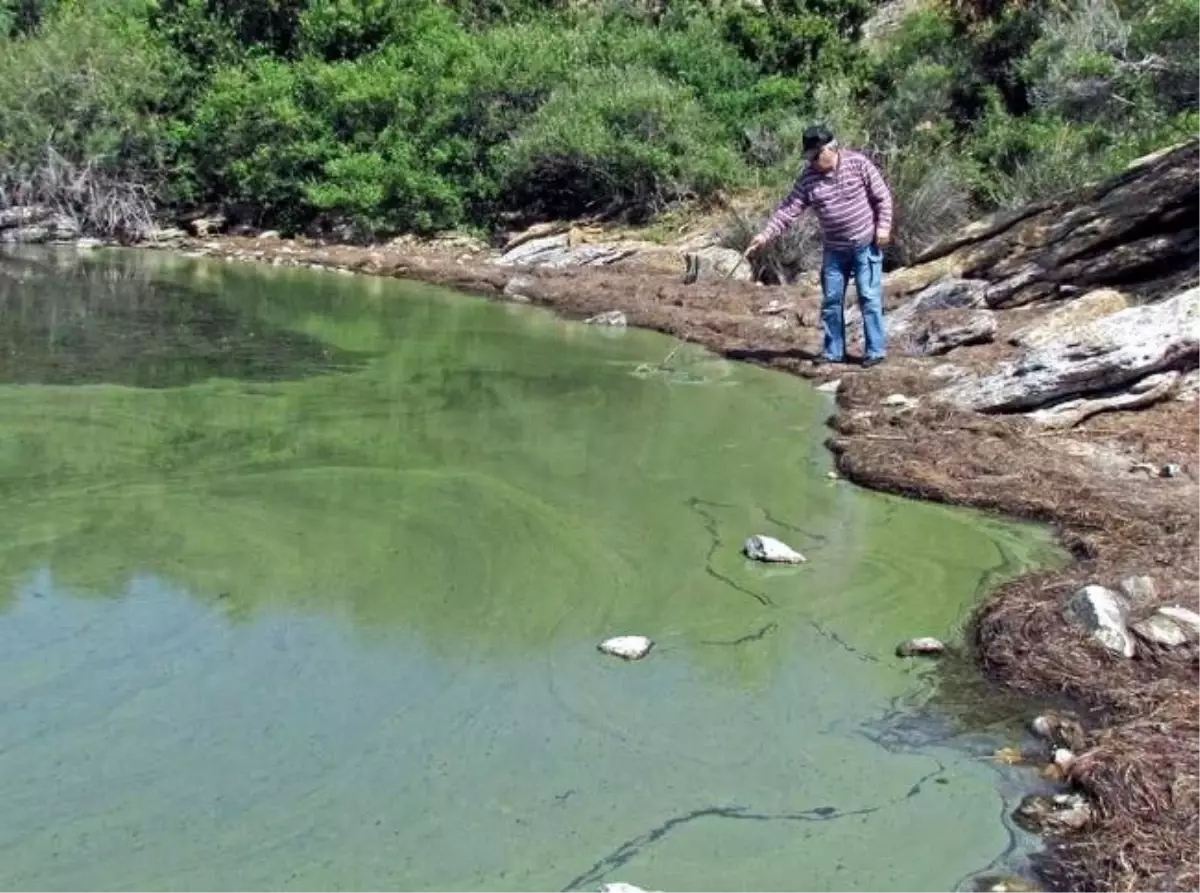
column 1063, row 758
column 1182, row 616
column 830, row 387
column 627, row 647
column 899, row 401
column 766, row 548
column 620, row 887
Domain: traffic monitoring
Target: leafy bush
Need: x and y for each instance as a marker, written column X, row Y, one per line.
column 617, row 137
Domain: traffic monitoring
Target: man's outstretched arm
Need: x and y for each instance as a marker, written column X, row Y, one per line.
column 785, row 215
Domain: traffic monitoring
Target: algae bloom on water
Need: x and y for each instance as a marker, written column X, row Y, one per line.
column 303, row 577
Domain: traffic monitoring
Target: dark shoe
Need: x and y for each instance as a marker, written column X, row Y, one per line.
column 872, row 361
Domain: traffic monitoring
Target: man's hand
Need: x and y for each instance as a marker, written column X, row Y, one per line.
column 755, row 244
column 883, row 237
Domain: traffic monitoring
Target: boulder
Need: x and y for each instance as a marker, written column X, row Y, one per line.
column 517, row 289
column 627, row 647
column 715, row 262
column 206, row 226
column 1064, row 319
column 1106, row 354
column 1139, row 590
column 1102, row 613
column 769, row 549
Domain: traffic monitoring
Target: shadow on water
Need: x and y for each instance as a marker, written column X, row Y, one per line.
column 104, row 323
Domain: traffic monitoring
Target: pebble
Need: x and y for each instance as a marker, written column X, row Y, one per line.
column 899, row 401
column 1064, row 758
column 923, row 646
column 1171, row 470
column 627, row 647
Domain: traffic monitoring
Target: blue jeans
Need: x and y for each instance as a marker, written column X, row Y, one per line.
column 866, row 263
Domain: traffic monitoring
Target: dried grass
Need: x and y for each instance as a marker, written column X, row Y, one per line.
column 98, row 202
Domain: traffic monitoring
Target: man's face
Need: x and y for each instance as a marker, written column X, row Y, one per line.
column 824, row 159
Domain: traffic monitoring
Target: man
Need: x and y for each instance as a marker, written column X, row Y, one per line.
column 854, row 207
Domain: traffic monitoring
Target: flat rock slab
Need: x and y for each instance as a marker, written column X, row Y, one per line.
column 769, row 549
column 1106, row 354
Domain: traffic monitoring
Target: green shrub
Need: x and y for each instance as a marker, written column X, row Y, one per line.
column 616, row 138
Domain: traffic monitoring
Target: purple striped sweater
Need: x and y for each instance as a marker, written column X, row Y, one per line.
column 851, row 202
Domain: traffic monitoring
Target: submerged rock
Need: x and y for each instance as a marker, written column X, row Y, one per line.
column 766, row 548
column 620, row 887
column 925, row 646
column 608, row 318
column 1102, row 613
column 627, row 647
column 1058, row 730
column 1040, row 813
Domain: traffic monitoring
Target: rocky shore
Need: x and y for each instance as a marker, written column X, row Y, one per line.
column 1044, row 365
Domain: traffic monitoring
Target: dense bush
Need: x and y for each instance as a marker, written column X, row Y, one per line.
column 431, row 114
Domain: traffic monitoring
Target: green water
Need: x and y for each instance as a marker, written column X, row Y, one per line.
column 301, row 578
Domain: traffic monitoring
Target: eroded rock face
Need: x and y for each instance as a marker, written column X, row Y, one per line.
column 1106, row 354
column 945, row 330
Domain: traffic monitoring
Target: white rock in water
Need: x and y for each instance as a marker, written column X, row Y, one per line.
column 627, row 647
column 924, row 645
column 830, row 387
column 620, row 887
column 1102, row 612
column 765, row 548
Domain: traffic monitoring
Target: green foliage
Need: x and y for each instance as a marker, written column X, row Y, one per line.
column 617, row 137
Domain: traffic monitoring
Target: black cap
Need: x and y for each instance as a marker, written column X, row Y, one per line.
column 817, row 138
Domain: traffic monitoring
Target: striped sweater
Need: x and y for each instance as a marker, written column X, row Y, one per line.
column 851, row 202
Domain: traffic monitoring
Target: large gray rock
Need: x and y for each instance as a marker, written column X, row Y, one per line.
column 948, row 329
column 1102, row 613
column 715, row 262
column 1187, row 619
column 1105, row 354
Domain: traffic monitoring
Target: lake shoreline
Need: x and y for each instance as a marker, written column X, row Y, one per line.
column 1140, row 715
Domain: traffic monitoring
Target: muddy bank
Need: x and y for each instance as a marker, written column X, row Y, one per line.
column 1120, row 487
